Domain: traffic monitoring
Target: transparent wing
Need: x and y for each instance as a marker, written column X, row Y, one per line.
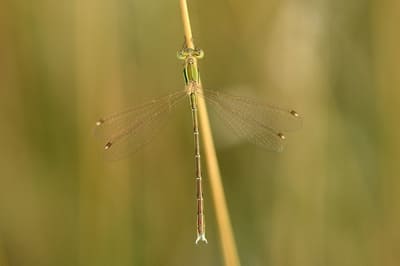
column 261, row 124
column 126, row 132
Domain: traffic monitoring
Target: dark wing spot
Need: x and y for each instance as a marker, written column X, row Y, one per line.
column 99, row 122
column 294, row 113
column 108, row 145
column 281, row 136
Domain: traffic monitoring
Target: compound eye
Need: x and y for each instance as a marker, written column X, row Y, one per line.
column 199, row 53
column 181, row 55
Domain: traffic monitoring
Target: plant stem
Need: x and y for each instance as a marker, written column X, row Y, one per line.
column 228, row 244
column 186, row 24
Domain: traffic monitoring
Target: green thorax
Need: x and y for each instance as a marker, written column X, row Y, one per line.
column 190, row 71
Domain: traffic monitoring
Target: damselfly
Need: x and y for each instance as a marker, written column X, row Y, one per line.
column 264, row 125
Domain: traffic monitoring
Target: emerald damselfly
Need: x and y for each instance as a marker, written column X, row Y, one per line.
column 127, row 131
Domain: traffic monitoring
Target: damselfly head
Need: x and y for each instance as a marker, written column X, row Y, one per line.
column 281, row 136
column 187, row 52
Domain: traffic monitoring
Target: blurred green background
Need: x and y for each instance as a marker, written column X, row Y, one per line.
column 331, row 198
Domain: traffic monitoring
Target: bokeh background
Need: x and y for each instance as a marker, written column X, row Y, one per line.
column 331, row 198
